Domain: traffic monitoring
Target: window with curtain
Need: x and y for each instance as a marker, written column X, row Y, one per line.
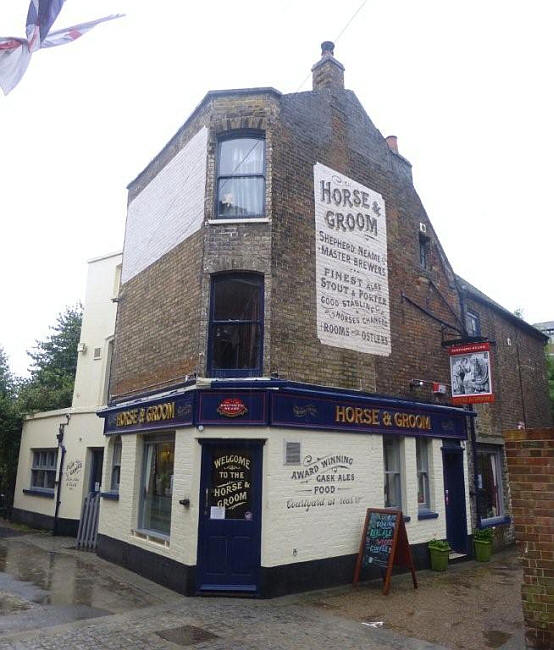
column 489, row 482
column 236, row 325
column 422, row 461
column 393, row 482
column 241, row 177
column 157, row 484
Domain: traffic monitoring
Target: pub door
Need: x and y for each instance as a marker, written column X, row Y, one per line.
column 229, row 530
column 454, row 495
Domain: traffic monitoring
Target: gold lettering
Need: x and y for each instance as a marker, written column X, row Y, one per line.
column 375, row 417
column 340, row 415
column 349, row 414
column 358, row 415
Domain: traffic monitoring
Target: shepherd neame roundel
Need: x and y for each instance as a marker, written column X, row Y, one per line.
column 351, row 264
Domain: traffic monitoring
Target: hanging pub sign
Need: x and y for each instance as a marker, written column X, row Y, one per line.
column 470, row 371
column 384, row 545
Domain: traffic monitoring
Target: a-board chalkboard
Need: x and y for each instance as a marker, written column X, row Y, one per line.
column 384, row 544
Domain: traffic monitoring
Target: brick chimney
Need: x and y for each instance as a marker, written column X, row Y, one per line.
column 392, row 141
column 327, row 72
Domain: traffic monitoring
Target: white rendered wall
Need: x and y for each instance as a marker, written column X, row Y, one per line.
column 168, row 210
column 85, row 428
column 96, row 331
column 289, row 534
column 39, row 432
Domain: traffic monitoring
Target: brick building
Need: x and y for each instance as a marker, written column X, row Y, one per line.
column 282, row 321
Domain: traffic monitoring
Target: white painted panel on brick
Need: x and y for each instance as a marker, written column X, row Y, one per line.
column 168, row 210
column 351, row 264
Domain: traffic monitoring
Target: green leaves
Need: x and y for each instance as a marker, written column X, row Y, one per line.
column 50, row 385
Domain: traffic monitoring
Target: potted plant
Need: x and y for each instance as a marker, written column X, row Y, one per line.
column 482, row 542
column 439, row 550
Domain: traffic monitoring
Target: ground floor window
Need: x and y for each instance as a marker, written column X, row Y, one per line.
column 489, row 482
column 157, row 484
column 393, row 477
column 422, row 461
column 43, row 470
column 116, row 465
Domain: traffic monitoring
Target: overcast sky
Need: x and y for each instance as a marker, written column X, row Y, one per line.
column 466, row 87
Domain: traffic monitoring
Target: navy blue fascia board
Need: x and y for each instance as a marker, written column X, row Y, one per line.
column 276, row 402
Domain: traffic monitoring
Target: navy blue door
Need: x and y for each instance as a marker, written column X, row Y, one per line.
column 229, row 531
column 455, row 497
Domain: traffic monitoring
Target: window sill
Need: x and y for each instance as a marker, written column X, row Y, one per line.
column 224, row 221
column 151, row 536
column 36, row 492
column 114, row 496
column 427, row 514
column 495, row 521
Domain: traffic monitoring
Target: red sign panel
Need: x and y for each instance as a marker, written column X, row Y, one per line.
column 232, row 407
column 470, row 371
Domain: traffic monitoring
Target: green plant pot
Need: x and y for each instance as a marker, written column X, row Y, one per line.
column 439, row 559
column 483, row 550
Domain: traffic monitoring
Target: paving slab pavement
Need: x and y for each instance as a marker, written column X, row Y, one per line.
column 73, row 599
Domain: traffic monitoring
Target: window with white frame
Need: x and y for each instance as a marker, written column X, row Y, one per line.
column 489, row 482
column 393, row 475
column 422, row 462
column 43, row 469
column 241, row 175
column 116, row 465
column 473, row 323
column 157, row 484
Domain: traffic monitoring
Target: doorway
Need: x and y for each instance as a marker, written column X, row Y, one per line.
column 96, row 463
column 229, row 530
column 454, row 495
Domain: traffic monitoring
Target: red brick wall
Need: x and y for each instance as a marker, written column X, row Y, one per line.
column 530, row 455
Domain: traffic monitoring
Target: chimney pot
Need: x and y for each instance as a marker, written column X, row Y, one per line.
column 327, row 47
column 392, row 141
column 327, row 72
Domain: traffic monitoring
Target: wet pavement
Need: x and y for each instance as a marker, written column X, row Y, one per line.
column 53, row 596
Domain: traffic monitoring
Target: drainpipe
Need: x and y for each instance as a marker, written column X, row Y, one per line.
column 59, row 437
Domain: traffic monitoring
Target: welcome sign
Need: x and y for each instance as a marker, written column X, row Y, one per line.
column 351, row 264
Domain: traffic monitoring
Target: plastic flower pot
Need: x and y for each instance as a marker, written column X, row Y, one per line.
column 439, row 557
column 483, row 550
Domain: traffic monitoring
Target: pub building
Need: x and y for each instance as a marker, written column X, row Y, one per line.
column 281, row 352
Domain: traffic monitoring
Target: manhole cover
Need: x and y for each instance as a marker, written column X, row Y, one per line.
column 186, row 635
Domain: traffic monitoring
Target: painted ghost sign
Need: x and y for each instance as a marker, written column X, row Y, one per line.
column 351, row 264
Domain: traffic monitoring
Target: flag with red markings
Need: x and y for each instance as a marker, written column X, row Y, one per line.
column 15, row 53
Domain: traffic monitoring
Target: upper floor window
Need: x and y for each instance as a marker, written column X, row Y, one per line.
column 236, row 325
column 473, row 325
column 424, row 252
column 241, row 177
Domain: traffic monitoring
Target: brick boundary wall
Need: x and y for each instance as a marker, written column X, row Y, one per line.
column 530, row 456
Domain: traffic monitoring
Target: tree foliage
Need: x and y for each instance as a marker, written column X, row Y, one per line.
column 10, row 429
column 50, row 385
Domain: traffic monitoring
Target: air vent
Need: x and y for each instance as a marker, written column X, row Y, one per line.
column 422, row 228
column 292, row 453
column 97, row 353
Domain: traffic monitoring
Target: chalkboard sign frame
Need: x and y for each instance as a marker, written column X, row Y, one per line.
column 400, row 553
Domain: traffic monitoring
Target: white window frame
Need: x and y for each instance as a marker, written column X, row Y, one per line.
column 152, row 440
column 397, row 472
column 117, row 446
column 422, row 466
column 41, row 462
